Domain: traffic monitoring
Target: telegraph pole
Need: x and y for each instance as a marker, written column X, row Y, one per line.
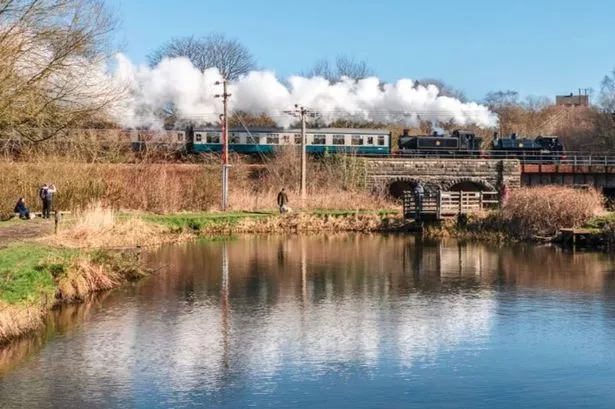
column 301, row 112
column 225, row 166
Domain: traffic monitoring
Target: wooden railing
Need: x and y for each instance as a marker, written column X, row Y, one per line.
column 447, row 204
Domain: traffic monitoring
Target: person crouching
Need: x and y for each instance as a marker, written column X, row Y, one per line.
column 22, row 209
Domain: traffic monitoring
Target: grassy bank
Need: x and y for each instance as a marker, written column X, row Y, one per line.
column 35, row 277
column 271, row 222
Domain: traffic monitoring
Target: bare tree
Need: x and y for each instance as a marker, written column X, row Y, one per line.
column 345, row 66
column 231, row 57
column 445, row 89
column 606, row 98
column 497, row 99
column 52, row 66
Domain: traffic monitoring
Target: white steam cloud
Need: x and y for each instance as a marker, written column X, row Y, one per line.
column 192, row 92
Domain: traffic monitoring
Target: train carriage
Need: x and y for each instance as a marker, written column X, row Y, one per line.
column 318, row 141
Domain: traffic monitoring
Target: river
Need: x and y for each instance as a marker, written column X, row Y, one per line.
column 338, row 321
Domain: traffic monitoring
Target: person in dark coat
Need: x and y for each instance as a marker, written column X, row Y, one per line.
column 282, row 201
column 419, row 193
column 22, row 209
column 46, row 194
column 42, row 194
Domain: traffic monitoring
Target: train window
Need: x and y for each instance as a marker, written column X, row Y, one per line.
column 286, row 139
column 234, row 138
column 357, row 140
column 180, row 136
column 319, row 139
column 338, row 139
column 253, row 140
column 213, row 138
column 273, row 139
column 381, row 141
column 198, row 137
column 370, row 140
column 297, row 139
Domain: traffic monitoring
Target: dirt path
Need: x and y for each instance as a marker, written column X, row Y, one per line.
column 16, row 230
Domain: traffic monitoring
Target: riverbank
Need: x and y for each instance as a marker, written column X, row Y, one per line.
column 42, row 270
column 35, row 277
column 48, row 269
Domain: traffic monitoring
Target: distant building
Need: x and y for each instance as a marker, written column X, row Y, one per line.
column 572, row 100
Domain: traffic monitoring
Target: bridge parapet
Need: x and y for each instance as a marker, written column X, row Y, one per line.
column 484, row 174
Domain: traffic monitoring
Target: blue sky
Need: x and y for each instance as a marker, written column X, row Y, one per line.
column 540, row 47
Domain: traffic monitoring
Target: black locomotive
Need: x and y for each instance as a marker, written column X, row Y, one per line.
column 541, row 144
column 467, row 144
column 458, row 141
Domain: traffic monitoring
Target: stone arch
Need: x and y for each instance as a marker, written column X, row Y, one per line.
column 468, row 185
column 395, row 187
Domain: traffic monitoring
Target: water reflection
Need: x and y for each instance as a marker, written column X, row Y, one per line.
column 224, row 322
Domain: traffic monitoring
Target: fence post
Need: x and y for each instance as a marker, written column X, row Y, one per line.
column 439, row 204
column 460, row 193
column 480, row 200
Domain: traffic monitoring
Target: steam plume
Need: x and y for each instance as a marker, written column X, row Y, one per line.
column 192, row 92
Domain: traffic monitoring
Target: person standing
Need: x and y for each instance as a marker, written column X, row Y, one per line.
column 282, row 200
column 46, row 194
column 419, row 192
column 42, row 194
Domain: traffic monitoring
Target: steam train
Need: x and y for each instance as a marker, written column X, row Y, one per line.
column 358, row 141
column 374, row 142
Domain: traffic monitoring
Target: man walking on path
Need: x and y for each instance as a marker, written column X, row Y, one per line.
column 282, row 201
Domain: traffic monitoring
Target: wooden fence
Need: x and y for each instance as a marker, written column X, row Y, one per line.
column 447, row 204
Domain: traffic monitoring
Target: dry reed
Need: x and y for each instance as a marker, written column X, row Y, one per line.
column 544, row 210
column 99, row 227
column 333, row 183
column 16, row 320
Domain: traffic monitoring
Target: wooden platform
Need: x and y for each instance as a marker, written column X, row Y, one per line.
column 569, row 236
column 447, row 204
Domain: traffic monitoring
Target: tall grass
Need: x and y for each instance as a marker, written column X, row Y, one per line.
column 332, row 182
column 149, row 187
column 544, row 210
column 99, row 227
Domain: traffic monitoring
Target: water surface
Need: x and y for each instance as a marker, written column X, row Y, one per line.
column 341, row 321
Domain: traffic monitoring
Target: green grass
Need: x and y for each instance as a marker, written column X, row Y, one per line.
column 330, row 212
column 23, row 275
column 597, row 223
column 199, row 221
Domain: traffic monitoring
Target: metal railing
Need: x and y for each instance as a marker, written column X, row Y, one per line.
column 567, row 158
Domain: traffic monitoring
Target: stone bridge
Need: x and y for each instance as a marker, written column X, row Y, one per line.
column 395, row 175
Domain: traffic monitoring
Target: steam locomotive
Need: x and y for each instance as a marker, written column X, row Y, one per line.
column 467, row 144
column 458, row 141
